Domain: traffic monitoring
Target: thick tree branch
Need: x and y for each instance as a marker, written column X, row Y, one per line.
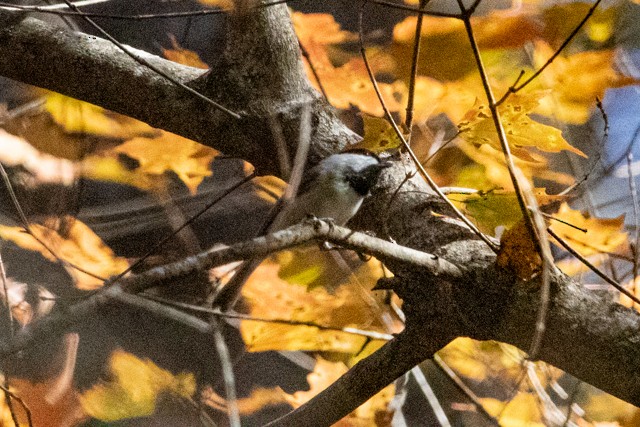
column 94, row 70
column 589, row 336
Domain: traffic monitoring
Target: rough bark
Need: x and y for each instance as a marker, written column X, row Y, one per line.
column 588, row 336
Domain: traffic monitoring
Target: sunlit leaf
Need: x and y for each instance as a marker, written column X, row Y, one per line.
column 81, row 117
column 379, row 135
column 269, row 296
column 170, row 152
column 498, row 208
column 521, row 411
column 576, row 81
column 324, row 374
column 79, row 246
column 134, row 389
column 320, row 28
column 112, row 169
column 521, row 131
column 491, row 171
column 604, row 235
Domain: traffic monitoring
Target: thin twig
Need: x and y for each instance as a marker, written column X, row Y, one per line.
column 561, row 221
column 593, row 268
column 414, row 70
column 140, row 60
column 231, row 396
column 636, row 214
column 316, row 76
column 27, row 227
column 160, row 310
column 240, row 316
column 460, row 385
column 54, row 10
column 230, row 293
column 497, row 122
column 414, row 158
column 432, row 399
column 168, row 237
column 565, row 43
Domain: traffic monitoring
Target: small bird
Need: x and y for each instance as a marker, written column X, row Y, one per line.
column 334, row 189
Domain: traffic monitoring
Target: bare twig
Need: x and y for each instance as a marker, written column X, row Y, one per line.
column 305, row 54
column 239, row 316
column 460, row 385
column 27, row 227
column 140, row 60
column 231, row 397
column 414, row 69
column 593, row 268
column 636, row 214
column 432, row 399
column 414, row 158
column 515, row 87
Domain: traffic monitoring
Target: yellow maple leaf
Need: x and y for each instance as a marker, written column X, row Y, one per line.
column 491, row 172
column 347, row 84
column 269, row 296
column 170, row 152
column 521, row 411
column 604, row 235
column 79, row 246
column 575, row 82
column 477, row 127
column 81, row 117
column 134, row 389
column 379, row 135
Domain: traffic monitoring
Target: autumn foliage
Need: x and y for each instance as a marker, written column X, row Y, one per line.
column 321, row 302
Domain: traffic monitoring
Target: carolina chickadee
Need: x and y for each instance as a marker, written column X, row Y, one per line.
column 334, row 188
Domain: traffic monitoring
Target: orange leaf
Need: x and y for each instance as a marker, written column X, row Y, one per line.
column 183, row 56
column 170, row 152
column 576, row 81
column 347, row 84
column 80, row 246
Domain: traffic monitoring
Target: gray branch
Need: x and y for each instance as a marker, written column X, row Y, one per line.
column 260, row 76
